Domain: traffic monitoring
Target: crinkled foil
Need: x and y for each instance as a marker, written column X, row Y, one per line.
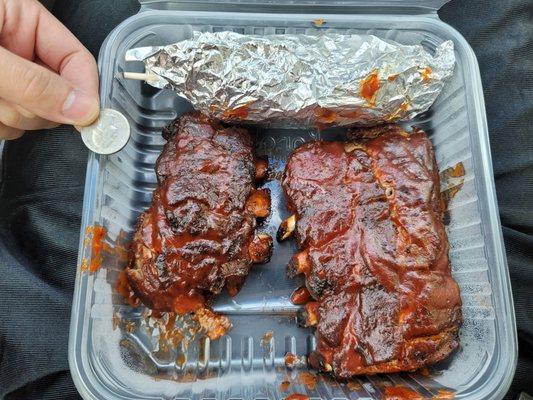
column 328, row 80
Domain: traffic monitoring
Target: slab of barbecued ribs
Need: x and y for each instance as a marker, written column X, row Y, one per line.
column 199, row 233
column 374, row 252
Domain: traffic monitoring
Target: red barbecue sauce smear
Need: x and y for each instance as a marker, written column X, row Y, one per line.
column 444, row 395
column 124, row 289
column 400, row 393
column 297, row 396
column 426, row 74
column 369, row 87
column 307, row 379
column 353, row 386
column 284, row 386
column 97, row 234
column 237, row 113
column 290, row 359
column 458, row 170
column 325, row 115
column 187, row 302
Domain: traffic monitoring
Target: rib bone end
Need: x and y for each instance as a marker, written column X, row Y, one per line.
column 259, row 203
column 308, row 316
column 286, row 228
column 261, row 168
column 260, row 249
column 299, row 264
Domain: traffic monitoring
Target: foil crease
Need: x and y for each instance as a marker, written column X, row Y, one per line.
column 327, row 80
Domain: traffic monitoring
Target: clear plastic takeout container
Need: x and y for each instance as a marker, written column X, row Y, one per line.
column 111, row 353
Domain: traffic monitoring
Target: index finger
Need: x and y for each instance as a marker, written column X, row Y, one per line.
column 58, row 48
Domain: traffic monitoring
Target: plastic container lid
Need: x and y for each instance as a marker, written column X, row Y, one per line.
column 430, row 4
column 378, row 6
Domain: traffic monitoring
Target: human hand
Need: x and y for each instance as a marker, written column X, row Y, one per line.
column 47, row 77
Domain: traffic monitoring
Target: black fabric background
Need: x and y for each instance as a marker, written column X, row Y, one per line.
column 43, row 173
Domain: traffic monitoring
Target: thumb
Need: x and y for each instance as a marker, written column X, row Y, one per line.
column 44, row 92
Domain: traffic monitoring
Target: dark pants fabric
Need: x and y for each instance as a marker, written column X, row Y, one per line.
column 42, row 179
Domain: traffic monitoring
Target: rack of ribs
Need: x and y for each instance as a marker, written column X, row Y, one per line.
column 199, row 233
column 367, row 216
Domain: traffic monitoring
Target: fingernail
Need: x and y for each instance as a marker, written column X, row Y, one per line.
column 80, row 108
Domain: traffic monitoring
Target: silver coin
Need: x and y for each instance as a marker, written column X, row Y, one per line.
column 108, row 134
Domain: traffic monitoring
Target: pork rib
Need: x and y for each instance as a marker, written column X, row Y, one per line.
column 199, row 233
column 374, row 252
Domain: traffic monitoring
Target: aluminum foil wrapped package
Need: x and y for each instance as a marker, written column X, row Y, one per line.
column 326, row 80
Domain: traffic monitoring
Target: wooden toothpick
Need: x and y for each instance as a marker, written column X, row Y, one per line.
column 140, row 76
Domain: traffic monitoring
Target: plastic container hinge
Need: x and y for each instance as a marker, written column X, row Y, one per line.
column 301, row 6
